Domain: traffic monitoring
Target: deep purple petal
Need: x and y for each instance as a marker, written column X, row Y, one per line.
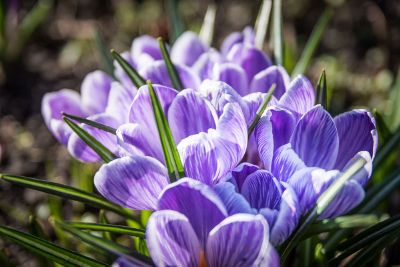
column 119, row 102
column 241, row 240
column 171, row 240
column 357, row 132
column 240, row 173
column 263, row 81
column 300, row 96
column 190, row 114
column 315, row 139
column 197, row 201
column 94, row 92
column 246, row 36
column 233, row 201
column 286, row 162
column 233, row 75
column 81, row 151
column 134, row 182
column 148, row 45
column 187, row 49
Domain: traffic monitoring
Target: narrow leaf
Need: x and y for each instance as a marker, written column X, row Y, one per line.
column 118, row 229
column 46, row 249
column 171, row 155
column 395, row 99
column 313, row 42
column 387, row 148
column 67, row 192
column 36, row 229
column 261, row 109
column 97, row 147
column 322, row 89
column 384, row 132
column 277, row 32
column 175, row 21
column 104, row 220
column 172, row 72
column 104, row 55
column 207, row 29
column 94, row 124
column 136, row 79
column 262, row 22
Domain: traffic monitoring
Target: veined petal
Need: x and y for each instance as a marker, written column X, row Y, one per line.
column 134, row 182
column 300, row 97
column 315, row 139
column 94, row 92
column 197, row 201
column 146, row 44
column 187, row 49
column 253, row 102
column 233, row 201
column 286, row 162
column 119, row 102
column 241, row 240
column 190, row 114
column 133, row 141
column 357, row 132
column 263, row 81
column 233, row 75
column 81, row 151
column 171, row 240
column 240, row 173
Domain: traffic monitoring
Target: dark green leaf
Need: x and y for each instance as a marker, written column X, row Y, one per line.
column 383, row 130
column 105, row 58
column 104, row 220
column 36, row 229
column 175, row 20
column 136, row 79
column 94, row 124
column 46, row 249
column 118, row 229
column 172, row 72
column 97, row 147
column 277, row 32
column 387, row 148
column 322, row 96
column 261, row 109
column 262, row 22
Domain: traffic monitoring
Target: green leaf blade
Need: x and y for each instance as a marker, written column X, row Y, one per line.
column 136, row 79
column 261, row 109
column 172, row 72
column 102, row 227
column 92, row 123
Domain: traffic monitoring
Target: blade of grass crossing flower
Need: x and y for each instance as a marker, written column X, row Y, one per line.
column 322, row 91
column 207, row 29
column 46, row 249
column 261, row 109
column 137, row 80
column 172, row 72
column 175, row 20
column 313, row 42
column 97, row 147
column 94, row 124
column 277, row 32
column 322, row 203
column 262, row 22
column 171, row 155
column 101, row 227
column 104, row 55
column 67, row 192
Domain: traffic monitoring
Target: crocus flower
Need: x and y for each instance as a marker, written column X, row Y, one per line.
column 310, row 151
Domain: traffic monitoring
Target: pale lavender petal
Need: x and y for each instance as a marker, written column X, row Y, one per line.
column 119, row 102
column 315, row 139
column 233, row 75
column 121, row 75
column 286, row 162
column 241, row 240
column 187, row 49
column 146, row 44
column 134, row 182
column 133, row 141
column 246, row 36
column 204, row 66
column 263, row 81
column 94, row 92
column 190, row 114
column 357, row 132
column 240, row 173
column 157, row 73
column 233, row 201
column 81, row 151
column 171, row 240
column 250, row 58
column 53, row 104
column 300, row 97
column 197, row 201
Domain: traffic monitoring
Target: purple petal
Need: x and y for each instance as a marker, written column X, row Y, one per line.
column 233, row 201
column 53, row 104
column 187, row 49
column 190, row 114
column 204, row 66
column 119, row 102
column 250, row 58
column 241, row 240
column 263, row 81
column 81, row 151
column 132, row 141
column 94, row 92
column 240, row 173
column 121, row 75
column 157, row 73
column 300, row 97
column 148, row 45
column 171, row 240
column 134, row 182
column 286, row 162
column 357, row 132
column 233, row 75
column 197, row 201
column 246, row 36
column 315, row 139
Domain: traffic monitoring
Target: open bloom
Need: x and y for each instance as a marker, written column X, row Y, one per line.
column 310, row 151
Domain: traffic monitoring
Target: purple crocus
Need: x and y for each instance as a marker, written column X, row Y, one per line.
column 310, row 151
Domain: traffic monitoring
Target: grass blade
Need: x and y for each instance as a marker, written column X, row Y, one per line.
column 94, row 124
column 101, row 227
column 384, row 132
column 262, row 22
column 322, row 89
column 171, row 155
column 136, row 79
column 172, row 72
column 277, row 32
column 104, row 220
column 46, row 249
column 67, row 192
column 313, row 42
column 175, row 20
column 36, row 229
column 97, row 147
column 261, row 109
column 386, row 149
column 104, row 55
column 395, row 99
column 207, row 29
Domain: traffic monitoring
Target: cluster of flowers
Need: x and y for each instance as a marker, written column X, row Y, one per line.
column 243, row 193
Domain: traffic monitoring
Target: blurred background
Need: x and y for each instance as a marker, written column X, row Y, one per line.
column 50, row 45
